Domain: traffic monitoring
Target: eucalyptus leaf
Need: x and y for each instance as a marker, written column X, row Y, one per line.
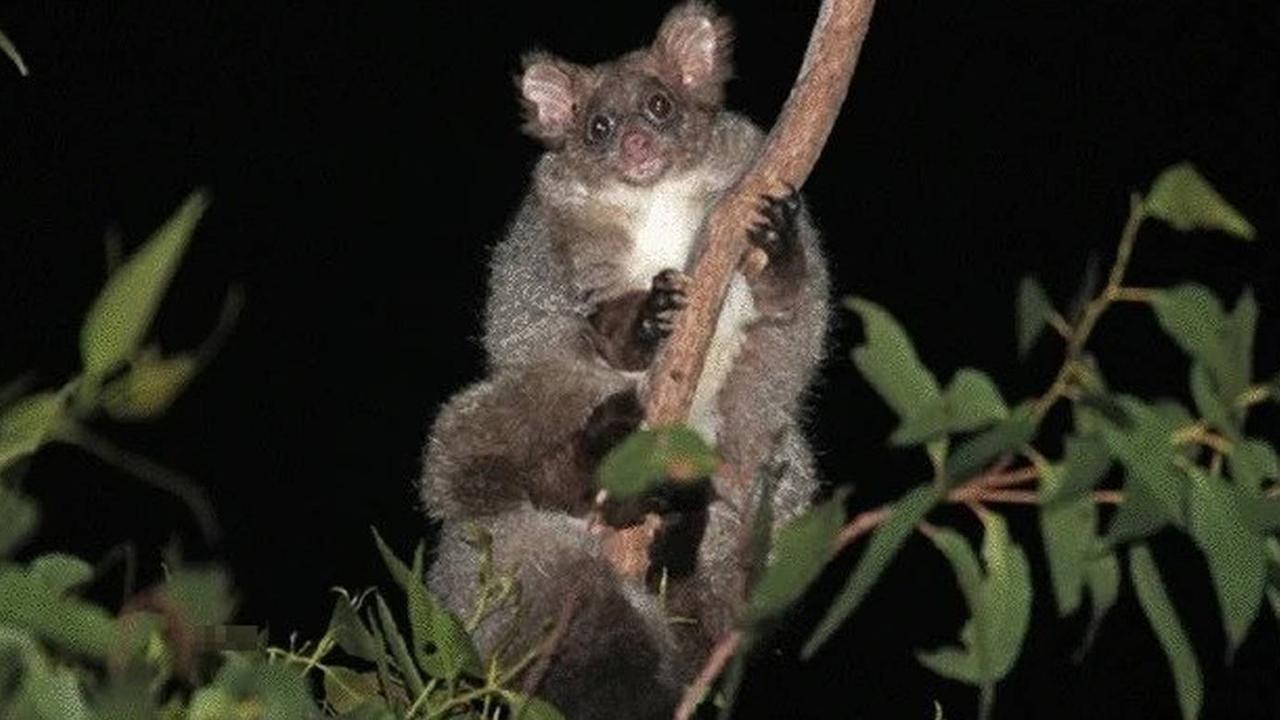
column 647, row 458
column 9, row 49
column 1006, row 594
column 1068, row 529
column 274, row 690
column 1209, row 402
column 1193, row 317
column 1085, row 462
column 1009, row 435
column 149, row 387
column 889, row 362
column 1154, row 599
column 404, row 663
column 885, row 543
column 532, row 708
column 349, row 632
column 970, row 402
column 67, row 622
column 1253, row 461
column 801, row 550
column 201, row 595
column 1033, row 313
column 1102, row 577
column 1181, row 197
column 119, row 319
column 18, row 518
column 60, row 572
column 1140, row 515
column 441, row 644
column 346, row 689
column 1146, row 451
column 1235, row 554
column 999, row 597
column 27, row 424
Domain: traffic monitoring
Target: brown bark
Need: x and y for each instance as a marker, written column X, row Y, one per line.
column 789, row 155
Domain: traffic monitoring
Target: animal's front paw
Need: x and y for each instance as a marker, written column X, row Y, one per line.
column 667, row 297
column 776, row 234
column 611, row 421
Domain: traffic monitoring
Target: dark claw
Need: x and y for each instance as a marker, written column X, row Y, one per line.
column 776, row 234
column 666, row 298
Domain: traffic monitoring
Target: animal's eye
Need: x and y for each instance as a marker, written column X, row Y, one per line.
column 599, row 127
column 658, row 106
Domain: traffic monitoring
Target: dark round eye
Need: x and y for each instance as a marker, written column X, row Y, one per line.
column 598, row 128
column 658, row 106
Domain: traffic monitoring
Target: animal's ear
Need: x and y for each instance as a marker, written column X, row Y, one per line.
column 548, row 94
column 692, row 50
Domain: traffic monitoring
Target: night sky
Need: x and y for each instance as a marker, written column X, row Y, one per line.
column 363, row 157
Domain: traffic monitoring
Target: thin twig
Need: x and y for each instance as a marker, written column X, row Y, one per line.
column 148, row 471
column 720, row 656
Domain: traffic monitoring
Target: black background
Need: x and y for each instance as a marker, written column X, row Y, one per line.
column 363, row 156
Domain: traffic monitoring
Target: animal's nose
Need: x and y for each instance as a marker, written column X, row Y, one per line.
column 636, row 143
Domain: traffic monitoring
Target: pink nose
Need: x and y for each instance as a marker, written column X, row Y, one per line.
column 636, row 144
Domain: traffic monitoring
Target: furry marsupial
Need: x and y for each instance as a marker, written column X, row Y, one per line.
column 582, row 294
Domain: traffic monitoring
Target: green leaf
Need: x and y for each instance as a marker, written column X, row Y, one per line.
column 1085, row 463
column 906, row 513
column 27, row 424
column 1006, row 594
column 647, row 458
column 1068, row 529
column 18, row 517
column 1033, row 312
column 1253, row 461
column 346, row 690
column 1273, row 575
column 971, row 402
column 800, row 552
column 70, row 623
column 1102, row 576
column 999, row 602
column 889, row 363
column 399, row 649
column 119, row 318
column 61, row 572
column 1156, row 605
column 202, row 596
column 9, row 49
column 440, row 640
column 1209, row 403
column 1145, row 449
column 349, row 632
column 532, row 708
column 149, row 387
column 1236, row 556
column 1185, row 200
column 1192, row 316
column 271, row 690
column 1242, row 326
column 1009, row 435
column 1139, row 516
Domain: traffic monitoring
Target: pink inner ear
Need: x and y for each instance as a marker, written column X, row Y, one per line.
column 693, row 46
column 548, row 89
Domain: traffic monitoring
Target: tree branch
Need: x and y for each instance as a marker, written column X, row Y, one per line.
column 789, row 154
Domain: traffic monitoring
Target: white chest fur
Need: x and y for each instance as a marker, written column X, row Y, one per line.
column 664, row 223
